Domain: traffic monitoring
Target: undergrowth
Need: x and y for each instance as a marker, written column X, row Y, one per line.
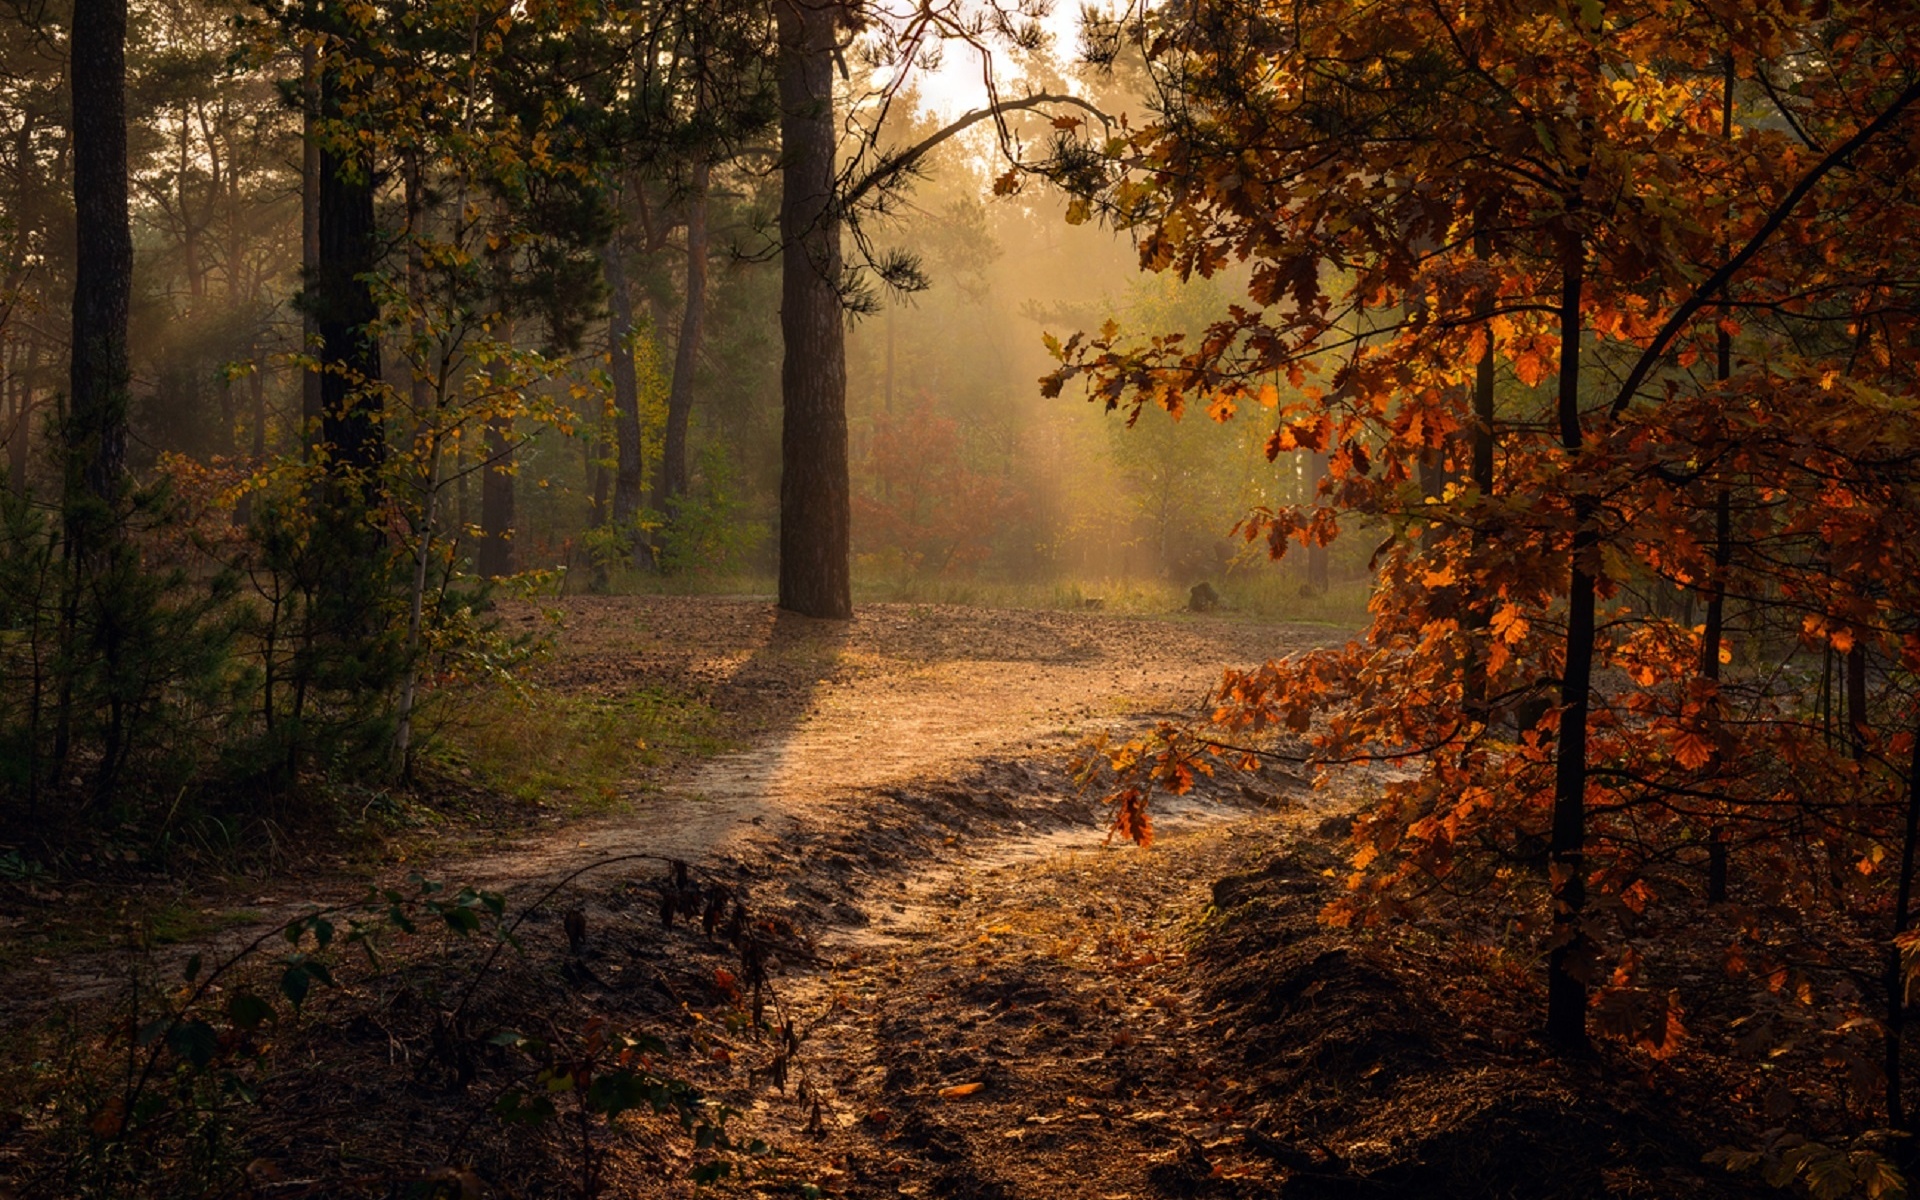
column 575, row 752
column 214, row 1075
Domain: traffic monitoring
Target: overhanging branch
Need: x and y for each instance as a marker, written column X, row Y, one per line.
column 1703, row 294
column 893, row 165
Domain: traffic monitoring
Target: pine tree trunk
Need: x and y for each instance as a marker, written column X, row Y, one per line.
column 310, row 403
column 344, row 314
column 257, row 418
column 337, row 651
column 815, row 501
column 628, row 471
column 672, row 481
column 96, row 430
column 496, row 556
column 1567, row 962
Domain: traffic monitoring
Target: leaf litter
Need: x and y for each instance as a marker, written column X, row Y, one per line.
column 962, row 991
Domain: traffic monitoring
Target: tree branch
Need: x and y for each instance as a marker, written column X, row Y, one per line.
column 893, row 165
column 1719, row 279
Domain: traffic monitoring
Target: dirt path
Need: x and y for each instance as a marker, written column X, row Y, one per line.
column 840, row 711
column 833, row 715
column 907, row 960
column 1028, row 1029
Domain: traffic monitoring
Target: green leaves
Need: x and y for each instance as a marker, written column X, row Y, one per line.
column 194, row 1041
column 606, row 1074
column 518, row 1107
column 300, row 975
column 467, row 911
column 1828, row 1172
column 248, row 1011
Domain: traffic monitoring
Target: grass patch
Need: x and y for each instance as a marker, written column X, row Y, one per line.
column 576, row 753
column 1258, row 592
column 1261, row 596
column 172, row 922
column 93, row 921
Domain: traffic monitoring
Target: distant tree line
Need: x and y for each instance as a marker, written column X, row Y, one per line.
column 302, row 307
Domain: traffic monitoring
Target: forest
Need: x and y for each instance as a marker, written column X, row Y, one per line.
column 1304, row 598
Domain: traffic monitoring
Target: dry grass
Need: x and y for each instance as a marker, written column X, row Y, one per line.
column 581, row 753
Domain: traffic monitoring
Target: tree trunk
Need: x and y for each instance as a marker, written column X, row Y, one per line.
column 1722, row 557
column 20, row 434
column 310, row 403
column 1318, row 558
column 1857, row 727
column 496, row 557
column 1896, row 982
column 628, row 472
column 427, row 391
column 257, row 408
column 1480, row 474
column 595, row 446
column 672, row 481
column 344, row 313
column 1568, row 962
column 96, row 428
column 496, row 500
column 815, row 500
column 13, row 392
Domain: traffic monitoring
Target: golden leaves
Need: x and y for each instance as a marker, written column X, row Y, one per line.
column 1691, row 748
column 1530, row 367
column 1509, row 624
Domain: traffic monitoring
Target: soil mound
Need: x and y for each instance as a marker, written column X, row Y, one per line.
column 1363, row 1082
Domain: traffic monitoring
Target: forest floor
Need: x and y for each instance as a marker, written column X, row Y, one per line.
column 968, row 991
column 767, row 722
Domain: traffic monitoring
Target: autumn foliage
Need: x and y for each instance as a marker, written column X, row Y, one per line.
column 928, row 505
column 1604, row 316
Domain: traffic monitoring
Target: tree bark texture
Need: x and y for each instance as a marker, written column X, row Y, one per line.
column 94, row 613
column 1569, row 958
column 310, row 403
column 673, row 479
column 1717, row 836
column 344, row 314
column 20, row 429
column 815, row 500
column 628, row 471
column 96, row 428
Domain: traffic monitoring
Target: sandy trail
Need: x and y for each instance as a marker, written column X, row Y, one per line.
column 832, row 713
column 901, row 694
